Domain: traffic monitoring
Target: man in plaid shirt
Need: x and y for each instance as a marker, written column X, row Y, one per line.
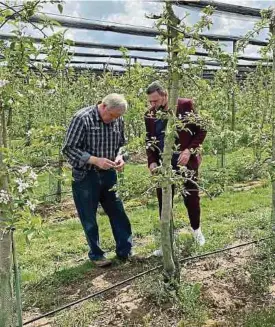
column 92, row 147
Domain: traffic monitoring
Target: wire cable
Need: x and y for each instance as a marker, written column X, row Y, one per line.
column 95, row 20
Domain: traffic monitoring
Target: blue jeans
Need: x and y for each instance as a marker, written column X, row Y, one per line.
column 91, row 188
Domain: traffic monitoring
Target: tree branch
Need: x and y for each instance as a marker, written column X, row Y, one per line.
column 18, row 13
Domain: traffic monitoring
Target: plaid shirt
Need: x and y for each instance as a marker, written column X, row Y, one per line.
column 88, row 135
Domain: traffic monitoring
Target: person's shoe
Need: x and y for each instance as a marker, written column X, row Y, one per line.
column 123, row 258
column 130, row 257
column 158, row 253
column 102, row 262
column 198, row 235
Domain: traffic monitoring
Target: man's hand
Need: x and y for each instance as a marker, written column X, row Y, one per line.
column 184, row 157
column 119, row 162
column 102, row 163
column 153, row 166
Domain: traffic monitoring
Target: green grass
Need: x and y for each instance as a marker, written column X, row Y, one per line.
column 55, row 265
column 260, row 318
column 223, row 219
column 55, row 261
column 78, row 317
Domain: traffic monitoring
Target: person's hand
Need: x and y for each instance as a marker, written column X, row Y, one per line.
column 102, row 163
column 153, row 166
column 184, row 157
column 119, row 162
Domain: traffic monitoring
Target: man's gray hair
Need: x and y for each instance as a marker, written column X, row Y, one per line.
column 156, row 86
column 115, row 101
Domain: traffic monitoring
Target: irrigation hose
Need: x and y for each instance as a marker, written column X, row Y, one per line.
column 140, row 275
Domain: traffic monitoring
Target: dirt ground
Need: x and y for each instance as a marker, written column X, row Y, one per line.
column 222, row 278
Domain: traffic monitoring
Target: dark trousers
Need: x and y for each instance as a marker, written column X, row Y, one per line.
column 191, row 201
column 89, row 190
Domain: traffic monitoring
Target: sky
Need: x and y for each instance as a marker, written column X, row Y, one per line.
column 134, row 13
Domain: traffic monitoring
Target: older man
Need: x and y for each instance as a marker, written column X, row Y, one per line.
column 92, row 146
column 187, row 142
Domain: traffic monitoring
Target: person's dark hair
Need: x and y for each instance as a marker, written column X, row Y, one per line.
column 156, row 86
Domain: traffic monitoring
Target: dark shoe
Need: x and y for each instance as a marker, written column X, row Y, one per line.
column 102, row 262
column 129, row 257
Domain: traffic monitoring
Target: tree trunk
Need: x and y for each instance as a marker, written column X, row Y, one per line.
column 9, row 122
column 59, row 182
column 30, row 116
column 6, row 308
column 223, row 154
column 63, row 122
column 233, row 103
column 223, row 146
column 166, row 214
column 272, row 30
column 6, row 305
column 266, row 105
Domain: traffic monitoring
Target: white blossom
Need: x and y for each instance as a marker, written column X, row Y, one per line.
column 140, row 91
column 21, row 185
column 29, row 132
column 31, row 205
column 3, row 82
column 40, row 84
column 4, row 197
column 24, row 169
column 33, row 175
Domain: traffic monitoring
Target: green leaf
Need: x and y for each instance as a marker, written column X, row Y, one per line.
column 60, row 8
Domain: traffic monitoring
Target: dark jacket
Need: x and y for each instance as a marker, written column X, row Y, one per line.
column 191, row 138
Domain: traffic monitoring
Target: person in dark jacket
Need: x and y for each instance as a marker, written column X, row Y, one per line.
column 187, row 143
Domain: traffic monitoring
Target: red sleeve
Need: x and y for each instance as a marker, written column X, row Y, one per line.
column 151, row 151
column 199, row 134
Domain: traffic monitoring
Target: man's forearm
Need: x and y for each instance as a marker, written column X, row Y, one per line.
column 92, row 160
column 76, row 157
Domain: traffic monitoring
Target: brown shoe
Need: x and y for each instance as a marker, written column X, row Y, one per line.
column 102, row 262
